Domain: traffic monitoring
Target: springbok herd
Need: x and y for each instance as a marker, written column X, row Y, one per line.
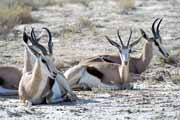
column 41, row 82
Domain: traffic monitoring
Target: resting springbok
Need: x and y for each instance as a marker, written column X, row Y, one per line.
column 9, row 80
column 11, row 75
column 42, row 83
column 137, row 64
column 103, row 74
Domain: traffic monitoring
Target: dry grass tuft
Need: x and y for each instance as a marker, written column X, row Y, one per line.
column 83, row 23
column 13, row 15
column 126, row 4
column 35, row 4
column 62, row 2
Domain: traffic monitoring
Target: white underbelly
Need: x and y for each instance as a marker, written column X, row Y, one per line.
column 93, row 82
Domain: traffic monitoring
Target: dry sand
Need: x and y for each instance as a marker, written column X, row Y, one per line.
column 78, row 33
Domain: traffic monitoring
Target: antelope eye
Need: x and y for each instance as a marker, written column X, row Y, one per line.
column 43, row 61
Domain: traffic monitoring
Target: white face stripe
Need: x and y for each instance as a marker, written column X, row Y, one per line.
column 124, row 55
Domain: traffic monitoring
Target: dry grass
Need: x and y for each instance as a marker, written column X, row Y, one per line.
column 12, row 15
column 35, row 4
column 175, row 75
column 126, row 4
column 83, row 23
column 62, row 2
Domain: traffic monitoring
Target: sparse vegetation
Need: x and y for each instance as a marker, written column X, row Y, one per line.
column 81, row 24
column 175, row 75
column 35, row 4
column 12, row 15
column 126, row 4
column 62, row 2
column 84, row 22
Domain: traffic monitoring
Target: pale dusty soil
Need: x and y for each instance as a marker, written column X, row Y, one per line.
column 156, row 96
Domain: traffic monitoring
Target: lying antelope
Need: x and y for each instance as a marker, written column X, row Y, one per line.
column 43, row 82
column 103, row 74
column 137, row 64
column 9, row 80
column 10, row 75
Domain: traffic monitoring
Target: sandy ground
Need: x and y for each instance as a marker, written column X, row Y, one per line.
column 78, row 32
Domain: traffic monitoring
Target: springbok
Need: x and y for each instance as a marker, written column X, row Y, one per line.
column 103, row 74
column 43, row 82
column 137, row 64
column 11, row 75
column 9, row 80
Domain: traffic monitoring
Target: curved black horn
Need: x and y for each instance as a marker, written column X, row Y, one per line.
column 120, row 38
column 129, row 37
column 153, row 27
column 25, row 36
column 113, row 42
column 50, row 43
column 157, row 29
column 34, row 42
column 33, row 37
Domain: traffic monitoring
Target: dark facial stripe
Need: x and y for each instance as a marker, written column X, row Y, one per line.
column 160, row 49
column 51, row 82
column 47, row 67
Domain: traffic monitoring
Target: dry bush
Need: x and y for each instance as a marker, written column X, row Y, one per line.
column 82, row 23
column 126, row 4
column 35, row 4
column 62, row 2
column 12, row 15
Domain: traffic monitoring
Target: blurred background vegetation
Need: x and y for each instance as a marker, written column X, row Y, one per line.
column 13, row 12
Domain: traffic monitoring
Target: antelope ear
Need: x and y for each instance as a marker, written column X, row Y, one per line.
column 135, row 42
column 25, row 36
column 144, row 35
column 113, row 43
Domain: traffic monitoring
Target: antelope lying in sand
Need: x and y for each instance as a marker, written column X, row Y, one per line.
column 10, row 75
column 9, row 80
column 103, row 74
column 137, row 64
column 42, row 82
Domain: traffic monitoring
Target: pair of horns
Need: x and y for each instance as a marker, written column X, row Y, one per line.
column 155, row 31
column 34, row 40
column 122, row 44
column 121, row 39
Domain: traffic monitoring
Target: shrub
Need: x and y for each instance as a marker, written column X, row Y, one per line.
column 126, row 4
column 13, row 15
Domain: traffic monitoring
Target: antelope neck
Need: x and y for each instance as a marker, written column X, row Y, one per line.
column 124, row 71
column 27, row 61
column 147, row 53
